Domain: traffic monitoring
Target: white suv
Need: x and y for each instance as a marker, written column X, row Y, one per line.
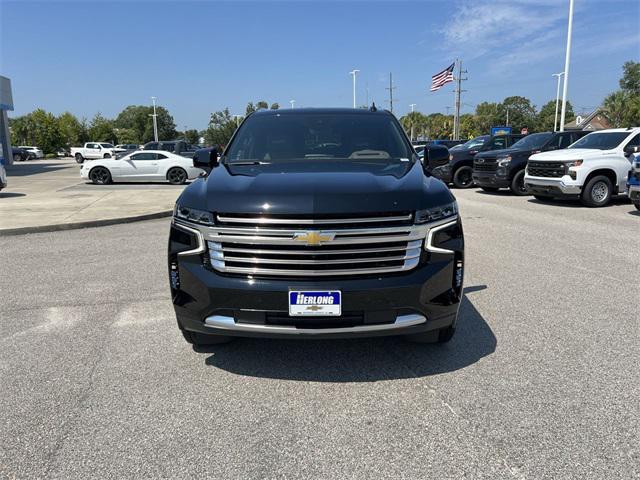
column 34, row 151
column 593, row 168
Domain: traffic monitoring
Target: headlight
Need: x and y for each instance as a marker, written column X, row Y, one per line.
column 437, row 213
column 193, row 215
column 504, row 161
column 573, row 163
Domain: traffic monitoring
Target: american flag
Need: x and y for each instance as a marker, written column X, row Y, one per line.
column 439, row 80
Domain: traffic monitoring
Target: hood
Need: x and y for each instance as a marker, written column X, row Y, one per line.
column 571, row 154
column 317, row 187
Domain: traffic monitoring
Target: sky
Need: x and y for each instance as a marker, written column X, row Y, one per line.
column 197, row 57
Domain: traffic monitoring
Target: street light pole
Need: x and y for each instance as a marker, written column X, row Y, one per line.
column 293, row 104
column 155, row 120
column 555, row 118
column 566, row 67
column 354, row 73
column 412, row 107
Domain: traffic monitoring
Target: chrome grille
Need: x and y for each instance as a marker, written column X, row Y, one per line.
column 314, row 246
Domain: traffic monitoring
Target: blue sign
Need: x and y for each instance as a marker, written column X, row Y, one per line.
column 500, row 130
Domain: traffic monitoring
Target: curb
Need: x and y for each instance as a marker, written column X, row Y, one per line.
column 88, row 224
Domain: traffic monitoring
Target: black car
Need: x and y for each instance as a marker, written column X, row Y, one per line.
column 497, row 169
column 179, row 147
column 316, row 223
column 459, row 169
column 21, row 154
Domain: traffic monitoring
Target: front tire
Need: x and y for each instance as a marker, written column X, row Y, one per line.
column 597, row 192
column 442, row 335
column 463, row 178
column 177, row 176
column 107, row 155
column 517, row 184
column 79, row 158
column 201, row 339
column 100, row 176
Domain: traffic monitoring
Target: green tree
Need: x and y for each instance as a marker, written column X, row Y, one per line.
column 102, row 129
column 262, row 104
column 127, row 135
column 547, row 114
column 630, row 81
column 250, row 109
column 138, row 118
column 487, row 116
column 616, row 106
column 414, row 124
column 37, row 128
column 192, row 136
column 468, row 127
column 275, row 106
column 522, row 113
column 73, row 131
column 221, row 127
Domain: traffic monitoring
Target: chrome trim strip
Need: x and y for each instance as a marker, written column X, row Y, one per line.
column 411, row 245
column 429, row 242
column 297, row 261
column 408, row 265
column 222, row 232
column 258, row 240
column 228, row 323
column 201, row 245
column 311, row 221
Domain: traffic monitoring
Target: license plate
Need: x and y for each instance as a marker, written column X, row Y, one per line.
column 315, row 303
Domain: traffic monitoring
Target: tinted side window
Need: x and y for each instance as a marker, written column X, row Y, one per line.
column 143, row 156
column 499, row 143
column 168, row 147
column 160, row 156
column 151, row 146
column 92, row 145
column 635, row 141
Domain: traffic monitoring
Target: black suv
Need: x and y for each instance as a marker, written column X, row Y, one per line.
column 179, row 147
column 459, row 169
column 316, row 223
column 497, row 169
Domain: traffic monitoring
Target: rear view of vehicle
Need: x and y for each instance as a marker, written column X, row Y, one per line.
column 593, row 169
column 316, row 223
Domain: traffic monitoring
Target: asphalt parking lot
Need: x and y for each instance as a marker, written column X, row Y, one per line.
column 541, row 380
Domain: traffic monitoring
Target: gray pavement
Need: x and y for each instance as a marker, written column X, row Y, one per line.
column 50, row 195
column 540, row 382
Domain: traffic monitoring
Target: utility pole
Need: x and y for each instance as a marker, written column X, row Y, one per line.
column 353, row 73
column 458, row 92
column 566, row 67
column 293, row 104
column 391, row 88
column 555, row 119
column 155, row 120
column 412, row 110
column 507, row 107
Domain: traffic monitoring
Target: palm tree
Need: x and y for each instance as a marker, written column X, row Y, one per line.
column 615, row 105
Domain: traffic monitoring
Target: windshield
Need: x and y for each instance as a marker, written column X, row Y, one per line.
column 533, row 141
column 277, row 137
column 474, row 143
column 601, row 140
column 106, row 145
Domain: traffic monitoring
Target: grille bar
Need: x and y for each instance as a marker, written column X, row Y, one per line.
column 311, row 221
column 218, row 246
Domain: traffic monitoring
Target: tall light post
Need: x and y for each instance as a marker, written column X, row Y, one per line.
column 555, row 118
column 293, row 104
column 155, row 120
column 413, row 105
column 567, row 57
column 354, row 73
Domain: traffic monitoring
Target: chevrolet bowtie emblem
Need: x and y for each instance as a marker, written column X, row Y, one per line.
column 314, row 308
column 313, row 238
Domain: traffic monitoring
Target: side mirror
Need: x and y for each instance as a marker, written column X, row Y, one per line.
column 631, row 149
column 435, row 156
column 206, row 159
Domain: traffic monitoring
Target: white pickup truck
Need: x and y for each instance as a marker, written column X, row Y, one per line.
column 93, row 150
column 594, row 168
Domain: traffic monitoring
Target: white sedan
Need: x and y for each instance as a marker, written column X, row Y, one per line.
column 141, row 166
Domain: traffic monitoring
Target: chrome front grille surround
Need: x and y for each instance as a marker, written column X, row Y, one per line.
column 299, row 247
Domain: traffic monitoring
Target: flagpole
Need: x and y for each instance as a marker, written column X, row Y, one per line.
column 566, row 68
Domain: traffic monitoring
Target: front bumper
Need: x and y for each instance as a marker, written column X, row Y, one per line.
column 490, row 179
column 634, row 191
column 419, row 300
column 564, row 186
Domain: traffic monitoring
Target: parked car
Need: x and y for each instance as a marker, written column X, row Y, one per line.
column 20, row 154
column 141, row 166
column 3, row 177
column 34, row 152
column 126, row 147
column 93, row 150
column 312, row 210
column 179, row 147
column 633, row 182
column 459, row 169
column 594, row 168
column 447, row 143
column 497, row 169
column 63, row 152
